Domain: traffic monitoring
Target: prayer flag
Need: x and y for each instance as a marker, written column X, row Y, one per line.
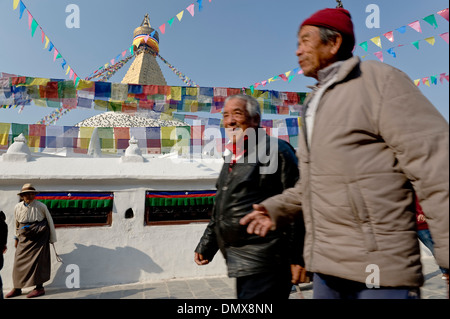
column 401, row 29
column 363, row 45
column 34, row 26
column 4, row 133
column 121, row 137
column 389, row 35
column 39, row 81
column 379, row 55
column 22, row 9
column 85, row 137
column 36, row 138
column 190, row 8
column 54, row 137
column 430, row 40
column 139, row 134
column 433, row 79
column 444, row 14
column 415, row 25
column 84, row 102
column 17, row 129
column 377, row 41
column 102, row 90
column 391, row 52
column 153, row 137
column 119, row 91
column 431, row 20
column 30, row 18
column 175, row 93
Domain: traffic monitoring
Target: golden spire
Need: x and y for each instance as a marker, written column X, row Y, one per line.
column 145, row 31
column 144, row 69
column 146, row 21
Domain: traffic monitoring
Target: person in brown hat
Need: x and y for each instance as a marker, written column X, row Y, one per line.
column 34, row 233
column 369, row 140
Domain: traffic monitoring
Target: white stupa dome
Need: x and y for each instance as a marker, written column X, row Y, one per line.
column 119, row 119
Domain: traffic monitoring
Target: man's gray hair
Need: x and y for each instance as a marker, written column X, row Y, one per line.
column 328, row 35
column 251, row 104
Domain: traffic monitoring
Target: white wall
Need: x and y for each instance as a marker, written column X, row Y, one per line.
column 125, row 252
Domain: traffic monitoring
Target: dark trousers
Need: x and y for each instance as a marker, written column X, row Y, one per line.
column 329, row 287
column 270, row 285
column 1, row 282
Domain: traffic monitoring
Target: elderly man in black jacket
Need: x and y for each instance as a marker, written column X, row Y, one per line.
column 256, row 167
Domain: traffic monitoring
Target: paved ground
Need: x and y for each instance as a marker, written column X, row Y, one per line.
column 211, row 288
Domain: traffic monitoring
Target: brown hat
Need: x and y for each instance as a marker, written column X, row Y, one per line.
column 27, row 188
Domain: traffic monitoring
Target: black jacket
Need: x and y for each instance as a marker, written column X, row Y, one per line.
column 237, row 191
column 3, row 236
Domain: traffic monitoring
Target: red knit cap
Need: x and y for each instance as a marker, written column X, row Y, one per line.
column 338, row 20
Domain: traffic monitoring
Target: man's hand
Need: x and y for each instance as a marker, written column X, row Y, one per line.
column 295, row 274
column 200, row 260
column 258, row 221
column 299, row 275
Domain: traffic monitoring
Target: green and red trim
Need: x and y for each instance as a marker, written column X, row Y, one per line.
column 76, row 200
column 179, row 198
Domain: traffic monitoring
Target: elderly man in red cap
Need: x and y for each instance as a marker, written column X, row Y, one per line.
column 369, row 141
column 34, row 233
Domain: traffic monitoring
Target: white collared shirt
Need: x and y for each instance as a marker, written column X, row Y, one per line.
column 327, row 77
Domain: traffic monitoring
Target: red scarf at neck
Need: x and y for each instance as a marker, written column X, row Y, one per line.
column 237, row 150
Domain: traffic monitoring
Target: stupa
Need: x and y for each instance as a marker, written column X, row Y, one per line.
column 145, row 71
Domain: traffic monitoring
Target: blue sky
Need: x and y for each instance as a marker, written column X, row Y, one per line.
column 229, row 43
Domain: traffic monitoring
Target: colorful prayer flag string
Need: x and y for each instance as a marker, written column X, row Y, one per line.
column 162, row 29
column 112, row 69
column 183, row 77
column 160, row 101
column 151, row 139
column 33, row 24
column 430, row 19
